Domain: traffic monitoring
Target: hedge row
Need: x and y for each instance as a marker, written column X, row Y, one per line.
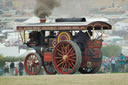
column 4, row 59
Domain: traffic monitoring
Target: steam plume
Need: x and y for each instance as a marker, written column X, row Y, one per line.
column 44, row 7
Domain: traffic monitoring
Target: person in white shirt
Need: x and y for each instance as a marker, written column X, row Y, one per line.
column 113, row 62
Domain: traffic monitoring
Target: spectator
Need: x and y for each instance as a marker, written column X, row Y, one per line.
column 102, row 68
column 12, row 66
column 6, row 69
column 107, row 64
column 21, row 66
column 16, row 71
column 126, row 66
column 122, row 63
column 117, row 66
column 113, row 62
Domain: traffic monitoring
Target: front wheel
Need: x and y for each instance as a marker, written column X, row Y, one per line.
column 32, row 64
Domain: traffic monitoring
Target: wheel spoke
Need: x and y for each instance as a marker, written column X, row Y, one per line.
column 64, row 67
column 35, row 58
column 59, row 54
column 60, row 51
column 37, row 67
column 72, row 64
column 31, row 68
column 58, row 57
column 60, row 63
column 73, row 60
column 72, row 54
column 65, row 50
column 31, row 59
column 28, row 62
column 68, row 47
column 69, row 63
column 70, row 50
column 62, row 47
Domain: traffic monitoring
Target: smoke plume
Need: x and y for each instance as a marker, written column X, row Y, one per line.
column 44, row 7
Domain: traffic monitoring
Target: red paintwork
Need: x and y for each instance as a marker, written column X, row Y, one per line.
column 96, row 47
column 47, row 56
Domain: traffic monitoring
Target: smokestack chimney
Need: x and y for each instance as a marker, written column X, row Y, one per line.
column 42, row 20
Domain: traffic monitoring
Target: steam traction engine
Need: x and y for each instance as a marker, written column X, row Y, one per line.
column 61, row 50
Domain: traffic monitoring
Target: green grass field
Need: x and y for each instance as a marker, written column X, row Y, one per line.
column 75, row 79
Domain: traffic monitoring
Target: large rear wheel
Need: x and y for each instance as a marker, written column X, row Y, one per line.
column 67, row 57
column 32, row 64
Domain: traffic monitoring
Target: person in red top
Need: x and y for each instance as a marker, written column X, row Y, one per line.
column 16, row 71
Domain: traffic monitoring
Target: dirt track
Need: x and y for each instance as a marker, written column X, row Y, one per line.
column 75, row 79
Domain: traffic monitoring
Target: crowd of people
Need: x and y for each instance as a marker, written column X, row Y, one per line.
column 115, row 64
column 109, row 65
column 12, row 69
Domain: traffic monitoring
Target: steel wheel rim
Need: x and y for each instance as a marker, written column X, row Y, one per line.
column 65, row 58
column 32, row 64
